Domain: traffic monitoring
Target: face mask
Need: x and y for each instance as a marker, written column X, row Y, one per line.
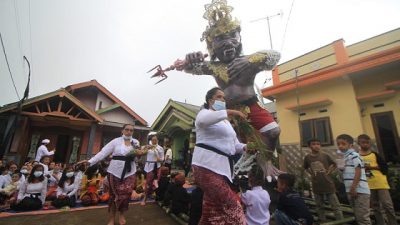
column 38, row 173
column 56, row 170
column 69, row 174
column 23, row 171
column 126, row 137
column 219, row 105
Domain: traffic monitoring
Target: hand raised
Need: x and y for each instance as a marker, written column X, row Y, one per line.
column 194, row 58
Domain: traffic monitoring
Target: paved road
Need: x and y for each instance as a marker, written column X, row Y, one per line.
column 151, row 214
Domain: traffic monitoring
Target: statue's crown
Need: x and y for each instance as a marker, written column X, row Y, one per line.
column 220, row 21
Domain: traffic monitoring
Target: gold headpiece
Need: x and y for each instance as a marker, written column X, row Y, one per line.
column 219, row 21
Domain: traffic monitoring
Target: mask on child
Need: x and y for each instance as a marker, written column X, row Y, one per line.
column 24, row 171
column 69, row 174
column 219, row 105
column 38, row 173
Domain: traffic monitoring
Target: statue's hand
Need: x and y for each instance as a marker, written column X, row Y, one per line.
column 194, row 58
column 238, row 67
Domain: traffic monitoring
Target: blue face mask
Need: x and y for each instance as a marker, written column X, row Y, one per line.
column 219, row 105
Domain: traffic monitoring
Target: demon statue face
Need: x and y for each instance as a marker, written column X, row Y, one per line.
column 227, row 46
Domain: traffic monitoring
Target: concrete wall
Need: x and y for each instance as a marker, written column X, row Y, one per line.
column 344, row 112
column 374, row 83
column 375, row 44
column 313, row 61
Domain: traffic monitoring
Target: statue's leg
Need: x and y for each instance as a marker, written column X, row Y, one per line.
column 270, row 137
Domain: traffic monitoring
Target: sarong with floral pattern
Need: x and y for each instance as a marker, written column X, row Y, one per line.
column 221, row 205
column 120, row 192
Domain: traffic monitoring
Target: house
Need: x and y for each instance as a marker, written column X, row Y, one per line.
column 339, row 89
column 78, row 119
column 175, row 125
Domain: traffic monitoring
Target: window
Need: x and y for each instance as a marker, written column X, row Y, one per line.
column 316, row 128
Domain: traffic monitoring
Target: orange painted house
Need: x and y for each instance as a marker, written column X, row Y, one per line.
column 78, row 119
column 338, row 89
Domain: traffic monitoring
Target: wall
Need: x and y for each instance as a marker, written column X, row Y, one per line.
column 87, row 97
column 106, row 101
column 376, row 44
column 373, row 83
column 343, row 112
column 118, row 115
column 316, row 60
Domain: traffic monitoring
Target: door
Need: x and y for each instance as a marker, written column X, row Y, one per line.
column 62, row 148
column 386, row 134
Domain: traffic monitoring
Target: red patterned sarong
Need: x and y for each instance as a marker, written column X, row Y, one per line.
column 259, row 117
column 221, row 206
column 150, row 179
column 120, row 192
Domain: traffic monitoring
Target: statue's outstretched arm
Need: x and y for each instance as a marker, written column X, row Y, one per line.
column 265, row 60
column 194, row 64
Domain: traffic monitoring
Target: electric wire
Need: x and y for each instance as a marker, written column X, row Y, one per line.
column 16, row 10
column 8, row 65
column 286, row 26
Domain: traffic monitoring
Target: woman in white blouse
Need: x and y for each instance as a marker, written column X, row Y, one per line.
column 67, row 189
column 32, row 192
column 216, row 143
column 155, row 156
column 121, row 171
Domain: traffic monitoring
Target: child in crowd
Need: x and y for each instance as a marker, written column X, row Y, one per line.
column 140, row 184
column 180, row 198
column 170, row 189
column 32, row 192
column 104, row 194
column 256, row 201
column 8, row 193
column 52, row 165
column 291, row 208
column 90, row 186
column 163, row 183
column 67, row 189
column 376, row 170
column 24, row 172
column 320, row 166
column 45, row 161
column 12, row 168
column 3, row 176
column 52, row 185
column 355, row 180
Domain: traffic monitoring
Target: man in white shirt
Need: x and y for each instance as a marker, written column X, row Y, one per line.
column 168, row 157
column 42, row 150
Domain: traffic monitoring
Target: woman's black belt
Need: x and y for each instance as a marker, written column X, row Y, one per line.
column 230, row 157
column 127, row 166
column 34, row 195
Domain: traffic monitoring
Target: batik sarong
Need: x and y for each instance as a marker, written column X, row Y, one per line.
column 151, row 180
column 120, row 192
column 221, row 205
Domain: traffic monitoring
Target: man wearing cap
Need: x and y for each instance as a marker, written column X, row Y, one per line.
column 42, row 150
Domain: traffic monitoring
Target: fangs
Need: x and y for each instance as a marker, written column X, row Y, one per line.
column 229, row 51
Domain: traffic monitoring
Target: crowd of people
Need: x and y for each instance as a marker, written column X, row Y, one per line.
column 123, row 170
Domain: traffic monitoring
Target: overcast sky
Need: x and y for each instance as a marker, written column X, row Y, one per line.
column 116, row 42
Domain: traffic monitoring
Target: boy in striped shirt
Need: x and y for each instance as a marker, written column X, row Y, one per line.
column 355, row 180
